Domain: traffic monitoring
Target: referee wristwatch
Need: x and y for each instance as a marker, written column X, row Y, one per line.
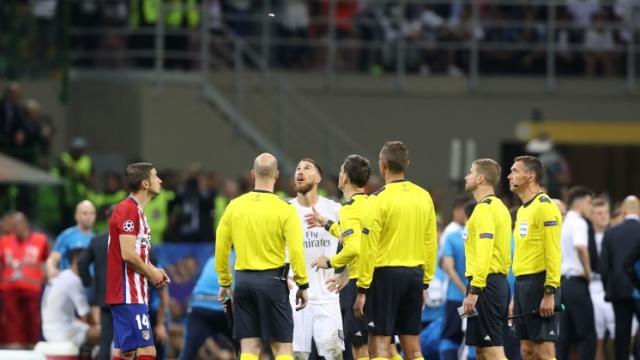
column 548, row 289
column 475, row 290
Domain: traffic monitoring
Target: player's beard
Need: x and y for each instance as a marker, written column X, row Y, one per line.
column 470, row 187
column 303, row 188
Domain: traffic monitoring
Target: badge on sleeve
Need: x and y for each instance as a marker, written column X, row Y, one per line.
column 128, row 226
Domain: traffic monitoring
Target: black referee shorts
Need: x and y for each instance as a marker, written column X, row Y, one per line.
column 529, row 290
column 394, row 301
column 261, row 307
column 355, row 330
column 487, row 329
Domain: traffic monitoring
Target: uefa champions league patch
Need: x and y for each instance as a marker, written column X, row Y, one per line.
column 128, row 226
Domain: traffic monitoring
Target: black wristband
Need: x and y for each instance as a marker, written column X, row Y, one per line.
column 327, row 226
column 475, row 290
column 362, row 290
column 548, row 289
column 329, row 263
column 425, row 286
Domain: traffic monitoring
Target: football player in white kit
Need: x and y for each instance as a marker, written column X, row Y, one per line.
column 602, row 310
column 321, row 320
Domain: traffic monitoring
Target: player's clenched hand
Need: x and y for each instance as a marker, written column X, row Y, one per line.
column 314, row 219
column 358, row 307
column 156, row 277
column 322, row 262
column 301, row 299
column 165, row 278
column 337, row 282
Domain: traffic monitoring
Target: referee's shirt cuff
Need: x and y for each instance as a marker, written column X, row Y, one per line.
column 303, row 286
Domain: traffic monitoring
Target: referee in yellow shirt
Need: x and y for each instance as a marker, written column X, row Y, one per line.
column 488, row 258
column 536, row 260
column 261, row 228
column 397, row 257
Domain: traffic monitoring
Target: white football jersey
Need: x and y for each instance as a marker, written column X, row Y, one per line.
column 318, row 241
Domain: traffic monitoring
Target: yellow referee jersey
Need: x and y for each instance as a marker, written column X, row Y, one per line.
column 487, row 248
column 260, row 226
column 399, row 230
column 349, row 231
column 537, row 238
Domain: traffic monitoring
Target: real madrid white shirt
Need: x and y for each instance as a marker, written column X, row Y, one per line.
column 318, row 241
column 63, row 297
column 574, row 233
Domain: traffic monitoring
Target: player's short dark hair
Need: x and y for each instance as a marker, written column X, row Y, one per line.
column 74, row 254
column 532, row 163
column 600, row 201
column 310, row 160
column 136, row 173
column 469, row 206
column 576, row 193
column 460, row 202
column 357, row 169
column 490, row 169
column 396, row 155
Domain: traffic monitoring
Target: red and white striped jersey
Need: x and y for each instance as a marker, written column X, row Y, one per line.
column 124, row 285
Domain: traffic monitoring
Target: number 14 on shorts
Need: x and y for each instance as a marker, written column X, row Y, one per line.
column 142, row 320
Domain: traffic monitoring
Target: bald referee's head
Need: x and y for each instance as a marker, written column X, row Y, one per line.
column 265, row 167
column 630, row 205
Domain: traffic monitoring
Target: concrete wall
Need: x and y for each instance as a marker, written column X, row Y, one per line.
column 179, row 129
column 172, row 126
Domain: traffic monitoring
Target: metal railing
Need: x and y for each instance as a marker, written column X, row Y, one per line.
column 331, row 48
column 298, row 116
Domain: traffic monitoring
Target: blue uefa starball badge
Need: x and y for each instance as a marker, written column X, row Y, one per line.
column 524, row 228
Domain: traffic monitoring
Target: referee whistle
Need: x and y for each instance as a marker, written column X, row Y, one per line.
column 556, row 309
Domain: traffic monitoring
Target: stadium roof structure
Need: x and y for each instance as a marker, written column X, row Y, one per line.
column 13, row 171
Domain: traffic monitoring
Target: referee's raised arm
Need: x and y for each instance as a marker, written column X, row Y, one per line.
column 261, row 228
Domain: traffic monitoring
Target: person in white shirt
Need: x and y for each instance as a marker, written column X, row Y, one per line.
column 628, row 12
column 599, row 44
column 63, row 298
column 582, row 11
column 321, row 320
column 577, row 324
column 602, row 310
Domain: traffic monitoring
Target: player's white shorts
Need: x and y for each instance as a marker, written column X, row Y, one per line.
column 76, row 332
column 323, row 323
column 604, row 316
